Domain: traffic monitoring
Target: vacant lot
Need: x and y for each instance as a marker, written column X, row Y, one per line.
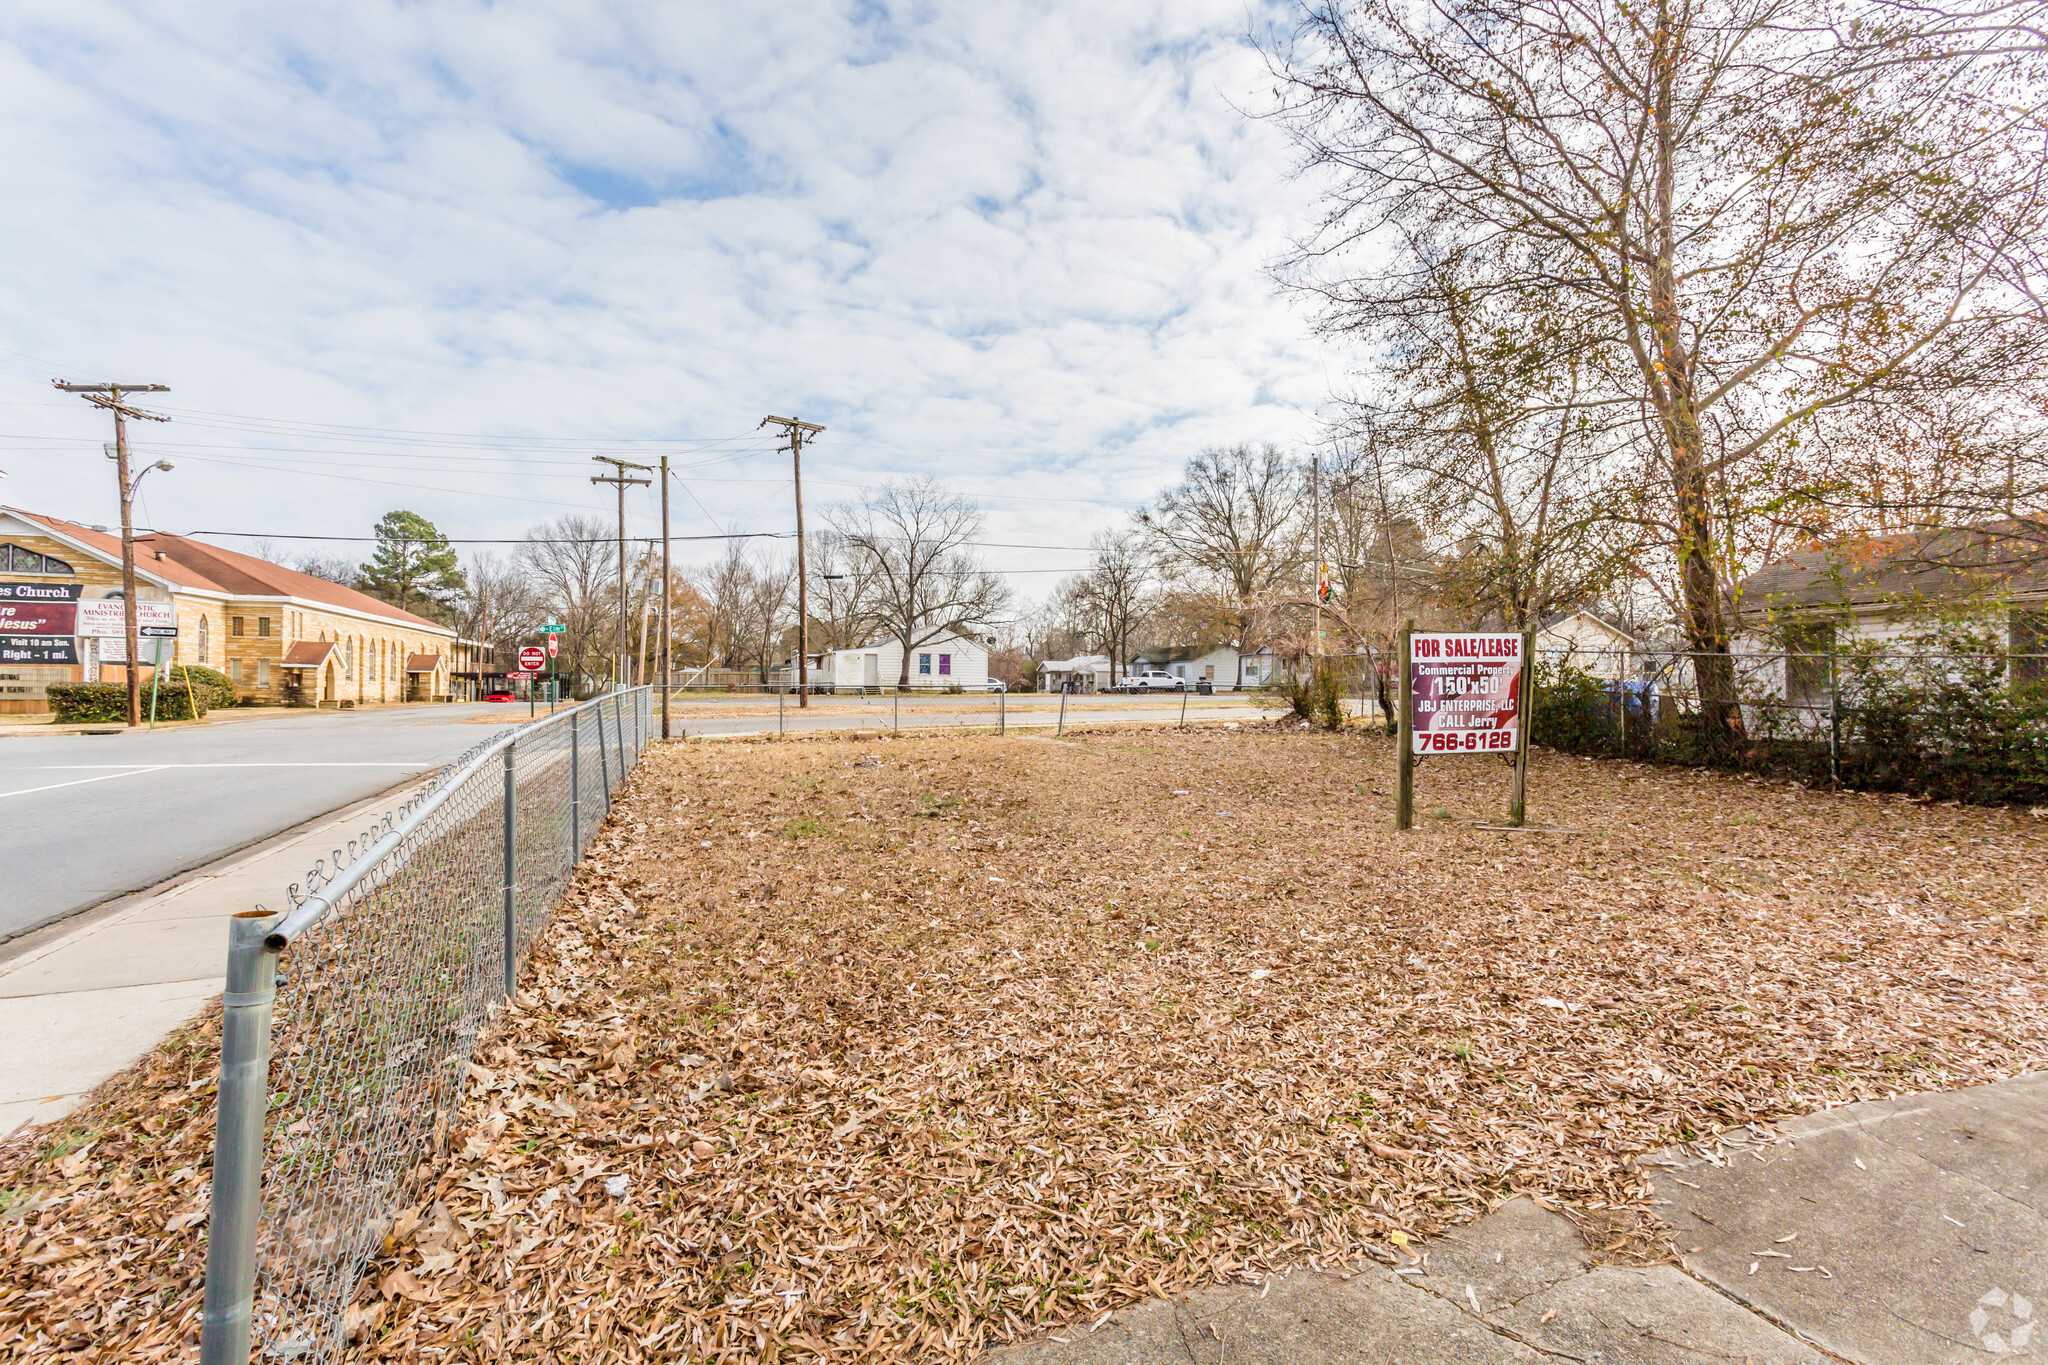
column 845, row 1050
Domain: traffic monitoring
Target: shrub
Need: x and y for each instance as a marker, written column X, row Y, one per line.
column 1572, row 710
column 1317, row 697
column 87, row 703
column 203, row 680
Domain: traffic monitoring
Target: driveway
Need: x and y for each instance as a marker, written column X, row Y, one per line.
column 92, row 817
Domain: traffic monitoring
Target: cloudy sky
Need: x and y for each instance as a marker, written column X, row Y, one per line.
column 437, row 256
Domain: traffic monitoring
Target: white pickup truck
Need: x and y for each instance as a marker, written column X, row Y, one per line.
column 1152, row 680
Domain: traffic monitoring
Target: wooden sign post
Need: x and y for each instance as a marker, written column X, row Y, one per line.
column 1465, row 693
column 1404, row 801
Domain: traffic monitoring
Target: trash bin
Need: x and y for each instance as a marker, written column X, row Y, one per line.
column 1205, row 688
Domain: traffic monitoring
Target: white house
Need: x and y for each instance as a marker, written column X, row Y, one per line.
column 1594, row 645
column 1217, row 666
column 937, row 664
column 1221, row 667
column 1890, row 593
column 1086, row 673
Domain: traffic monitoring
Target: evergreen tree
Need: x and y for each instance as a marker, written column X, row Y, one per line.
column 414, row 567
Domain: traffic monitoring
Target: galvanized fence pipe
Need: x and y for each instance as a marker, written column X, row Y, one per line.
column 339, row 1082
column 511, row 926
column 238, row 1141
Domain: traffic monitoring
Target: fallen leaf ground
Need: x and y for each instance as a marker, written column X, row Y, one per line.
column 858, row 1050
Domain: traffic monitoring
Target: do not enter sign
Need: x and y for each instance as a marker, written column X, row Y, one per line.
column 533, row 658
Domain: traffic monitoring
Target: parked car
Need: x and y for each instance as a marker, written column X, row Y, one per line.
column 1152, row 680
column 498, row 696
column 996, row 685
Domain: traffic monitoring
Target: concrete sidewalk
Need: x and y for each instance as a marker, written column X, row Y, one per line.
column 1906, row 1232
column 90, row 999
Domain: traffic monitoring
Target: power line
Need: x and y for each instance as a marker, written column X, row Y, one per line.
column 478, row 540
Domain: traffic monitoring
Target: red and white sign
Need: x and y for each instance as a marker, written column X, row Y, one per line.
column 533, row 658
column 554, row 643
column 516, row 673
column 102, row 619
column 38, row 618
column 1465, row 693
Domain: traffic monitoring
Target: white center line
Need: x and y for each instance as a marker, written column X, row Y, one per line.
column 155, row 767
column 79, row 782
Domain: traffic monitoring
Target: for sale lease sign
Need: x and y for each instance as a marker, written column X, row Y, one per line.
column 1465, row 693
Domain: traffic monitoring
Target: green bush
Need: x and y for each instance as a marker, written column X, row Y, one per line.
column 88, row 703
column 1572, row 709
column 204, row 680
column 1317, row 697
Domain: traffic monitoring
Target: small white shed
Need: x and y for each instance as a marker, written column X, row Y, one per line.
column 937, row 664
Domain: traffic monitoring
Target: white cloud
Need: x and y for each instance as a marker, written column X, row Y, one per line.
column 1019, row 247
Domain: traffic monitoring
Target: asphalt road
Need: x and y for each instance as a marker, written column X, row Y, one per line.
column 91, row 817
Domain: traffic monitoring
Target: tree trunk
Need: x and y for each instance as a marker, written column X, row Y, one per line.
column 1706, row 623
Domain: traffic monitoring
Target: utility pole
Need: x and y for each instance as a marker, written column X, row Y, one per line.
column 109, row 396
column 798, row 431
column 667, row 652
column 619, row 478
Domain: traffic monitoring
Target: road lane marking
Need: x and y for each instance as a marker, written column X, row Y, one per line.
column 85, row 767
column 78, row 782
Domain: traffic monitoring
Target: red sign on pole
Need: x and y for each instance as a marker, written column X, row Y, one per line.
column 533, row 658
column 554, row 643
column 1465, row 693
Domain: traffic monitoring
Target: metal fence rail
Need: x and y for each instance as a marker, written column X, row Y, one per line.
column 339, row 1075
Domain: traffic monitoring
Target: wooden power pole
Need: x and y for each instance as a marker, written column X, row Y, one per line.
column 667, row 639
column 798, row 432
column 109, row 396
column 619, row 478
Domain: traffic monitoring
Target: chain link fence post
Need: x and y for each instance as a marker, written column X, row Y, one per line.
column 619, row 733
column 244, row 1099
column 511, row 911
column 575, row 790
column 604, row 760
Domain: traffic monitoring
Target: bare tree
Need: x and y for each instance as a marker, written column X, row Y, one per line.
column 746, row 609
column 334, row 568
column 573, row 570
column 500, row 605
column 1112, row 597
column 1233, row 520
column 1759, row 250
column 1481, row 405
column 912, row 537
column 843, row 614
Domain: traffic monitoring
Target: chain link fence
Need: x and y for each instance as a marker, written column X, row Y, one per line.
column 350, row 1018
column 1962, row 724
